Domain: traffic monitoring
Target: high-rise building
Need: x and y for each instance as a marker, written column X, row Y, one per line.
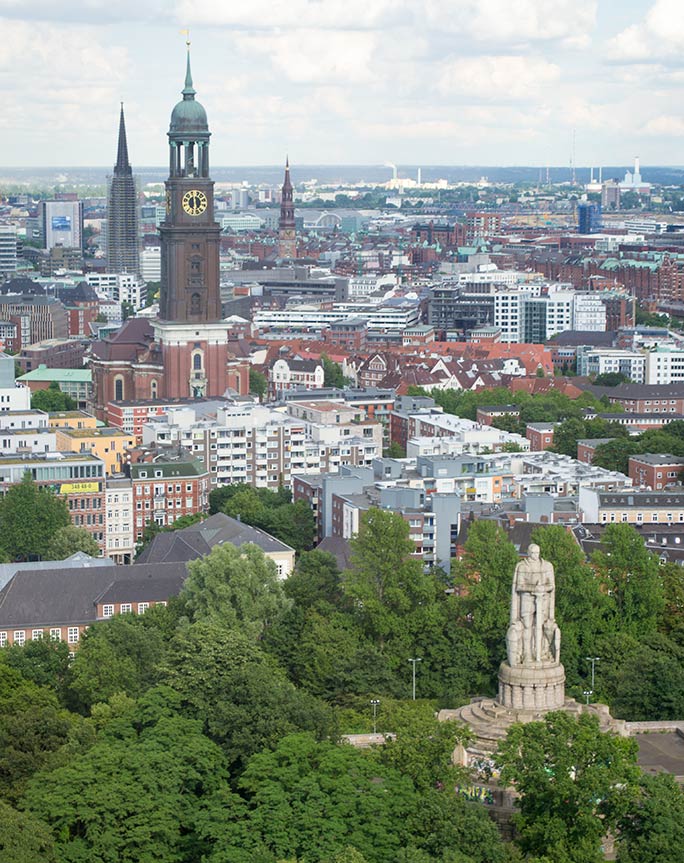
column 287, row 238
column 8, row 250
column 123, row 250
column 61, row 224
column 588, row 218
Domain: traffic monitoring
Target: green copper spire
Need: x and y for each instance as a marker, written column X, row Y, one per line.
column 188, row 91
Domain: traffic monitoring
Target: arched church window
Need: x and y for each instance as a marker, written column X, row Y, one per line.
column 153, row 390
column 195, row 304
column 118, row 389
column 197, row 362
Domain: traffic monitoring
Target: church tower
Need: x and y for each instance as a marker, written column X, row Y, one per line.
column 123, row 250
column 190, row 330
column 287, row 238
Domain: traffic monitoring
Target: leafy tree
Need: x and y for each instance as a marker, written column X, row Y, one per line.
column 43, row 662
column 575, row 784
column 315, row 580
column 52, row 399
column 610, row 379
column 643, row 680
column 631, row 575
column 395, row 450
column 120, row 655
column 566, row 435
column 29, row 518
column 310, row 800
column 258, row 383
column 385, row 582
column 614, row 454
column 241, row 695
column 23, row 838
column 484, row 578
column 68, row 540
column 333, row 376
column 582, row 608
column 423, row 748
column 237, row 587
column 653, row 830
column 136, row 795
column 32, row 728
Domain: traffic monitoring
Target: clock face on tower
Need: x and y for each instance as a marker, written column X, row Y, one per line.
column 194, row 202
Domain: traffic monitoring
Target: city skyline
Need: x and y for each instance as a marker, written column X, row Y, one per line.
column 471, row 83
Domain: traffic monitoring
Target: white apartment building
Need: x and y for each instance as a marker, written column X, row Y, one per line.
column 241, row 222
column 150, row 263
column 15, row 441
column 395, row 318
column 364, row 286
column 508, row 314
column 664, row 366
column 605, row 360
column 119, row 534
column 8, row 250
column 262, row 447
column 120, row 287
column 589, row 313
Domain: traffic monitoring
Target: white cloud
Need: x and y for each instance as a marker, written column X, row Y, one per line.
column 524, row 21
column 658, row 37
column 498, row 78
column 307, row 56
column 666, row 126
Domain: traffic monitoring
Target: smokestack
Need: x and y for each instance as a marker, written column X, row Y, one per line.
column 600, row 175
column 419, row 178
column 636, row 167
column 591, row 180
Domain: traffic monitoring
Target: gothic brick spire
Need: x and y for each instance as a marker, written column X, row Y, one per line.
column 123, row 166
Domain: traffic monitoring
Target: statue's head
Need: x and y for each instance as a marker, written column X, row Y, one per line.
column 534, row 551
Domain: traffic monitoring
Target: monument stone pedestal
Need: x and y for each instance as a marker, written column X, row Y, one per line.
column 535, row 687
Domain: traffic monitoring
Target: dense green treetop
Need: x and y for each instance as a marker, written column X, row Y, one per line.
column 30, row 516
column 68, row 540
column 575, row 784
column 52, row 400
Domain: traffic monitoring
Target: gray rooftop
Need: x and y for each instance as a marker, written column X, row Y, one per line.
column 199, row 539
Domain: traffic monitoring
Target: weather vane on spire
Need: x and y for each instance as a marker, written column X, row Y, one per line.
column 186, row 32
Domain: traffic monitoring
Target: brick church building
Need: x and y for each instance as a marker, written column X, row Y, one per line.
column 186, row 351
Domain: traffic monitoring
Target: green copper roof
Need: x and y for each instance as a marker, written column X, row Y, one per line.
column 189, row 116
column 43, row 373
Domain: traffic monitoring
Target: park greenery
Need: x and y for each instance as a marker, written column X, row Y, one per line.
column 52, row 400
column 211, row 729
column 35, row 525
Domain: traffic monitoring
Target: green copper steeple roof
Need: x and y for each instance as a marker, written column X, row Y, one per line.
column 189, row 119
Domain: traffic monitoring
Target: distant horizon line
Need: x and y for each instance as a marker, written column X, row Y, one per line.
column 413, row 165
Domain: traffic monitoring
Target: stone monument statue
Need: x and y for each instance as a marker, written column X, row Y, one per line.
column 532, row 678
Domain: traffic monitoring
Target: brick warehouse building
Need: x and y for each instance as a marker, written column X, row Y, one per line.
column 184, row 352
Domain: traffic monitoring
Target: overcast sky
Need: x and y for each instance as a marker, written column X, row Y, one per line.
column 494, row 82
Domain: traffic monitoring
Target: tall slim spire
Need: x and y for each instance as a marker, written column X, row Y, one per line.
column 123, row 166
column 287, row 237
column 188, row 91
column 123, row 252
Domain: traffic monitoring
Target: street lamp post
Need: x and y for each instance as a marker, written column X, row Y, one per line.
column 587, row 693
column 413, row 663
column 375, row 703
column 593, row 660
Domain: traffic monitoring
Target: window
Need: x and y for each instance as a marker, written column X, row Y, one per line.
column 37, row 635
column 107, row 611
column 126, row 608
column 56, row 634
column 72, row 635
column 3, row 639
column 142, row 607
column 118, row 389
column 19, row 636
